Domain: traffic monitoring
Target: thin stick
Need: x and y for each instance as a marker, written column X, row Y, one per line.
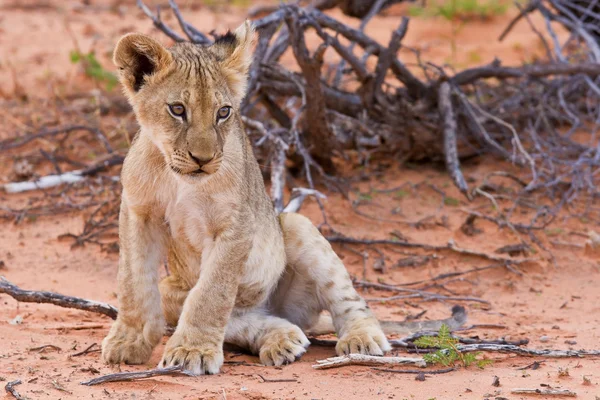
column 87, row 350
column 513, row 349
column 361, row 359
column 131, row 376
column 276, row 380
column 17, row 142
column 41, row 349
column 546, row 392
column 31, row 296
column 10, row 388
column 449, row 130
column 416, row 371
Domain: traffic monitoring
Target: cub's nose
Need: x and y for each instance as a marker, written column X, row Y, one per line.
column 200, row 161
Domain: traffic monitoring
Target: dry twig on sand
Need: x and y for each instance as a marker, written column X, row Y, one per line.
column 416, row 371
column 131, row 376
column 31, row 296
column 361, row 359
column 546, row 392
column 10, row 388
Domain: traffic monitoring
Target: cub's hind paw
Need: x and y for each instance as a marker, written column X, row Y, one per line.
column 368, row 339
column 283, row 346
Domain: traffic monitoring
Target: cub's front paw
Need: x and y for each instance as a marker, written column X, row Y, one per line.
column 365, row 337
column 198, row 357
column 130, row 345
column 283, row 346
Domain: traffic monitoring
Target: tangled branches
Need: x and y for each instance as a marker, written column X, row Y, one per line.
column 531, row 115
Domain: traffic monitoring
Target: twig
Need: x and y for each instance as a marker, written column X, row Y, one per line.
column 361, row 359
column 131, row 376
column 158, row 22
column 546, row 392
column 192, row 33
column 17, row 142
column 449, row 130
column 451, row 246
column 10, row 388
column 90, row 349
column 40, row 349
column 30, row 296
column 416, row 371
column 507, row 348
column 276, row 380
column 298, row 197
column 43, row 183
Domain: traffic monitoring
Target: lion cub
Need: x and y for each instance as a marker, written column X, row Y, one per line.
column 193, row 192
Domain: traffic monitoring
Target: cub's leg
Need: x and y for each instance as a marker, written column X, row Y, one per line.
column 275, row 340
column 173, row 293
column 197, row 343
column 317, row 280
column 140, row 324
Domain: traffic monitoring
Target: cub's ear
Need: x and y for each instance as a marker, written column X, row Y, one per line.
column 234, row 52
column 139, row 56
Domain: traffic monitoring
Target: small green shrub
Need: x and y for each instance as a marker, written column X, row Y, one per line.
column 94, row 69
column 461, row 9
column 448, row 353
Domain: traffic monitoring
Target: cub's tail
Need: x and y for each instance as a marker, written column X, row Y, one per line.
column 459, row 318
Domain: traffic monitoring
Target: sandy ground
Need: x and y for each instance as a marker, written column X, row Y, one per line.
column 553, row 305
column 560, row 303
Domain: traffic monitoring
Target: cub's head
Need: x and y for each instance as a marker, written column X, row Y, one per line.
column 187, row 97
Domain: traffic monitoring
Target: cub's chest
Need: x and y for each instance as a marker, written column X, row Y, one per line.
column 193, row 221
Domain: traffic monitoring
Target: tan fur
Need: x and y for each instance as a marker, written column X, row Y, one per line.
column 238, row 272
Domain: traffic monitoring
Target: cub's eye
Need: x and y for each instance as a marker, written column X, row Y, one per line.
column 177, row 110
column 223, row 113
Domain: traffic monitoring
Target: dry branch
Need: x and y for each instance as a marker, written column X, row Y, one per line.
column 30, row 296
column 546, row 392
column 19, row 141
column 361, row 359
column 10, row 388
column 513, row 349
column 131, row 376
column 450, row 145
column 416, row 371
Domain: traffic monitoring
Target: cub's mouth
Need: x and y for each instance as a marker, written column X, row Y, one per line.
column 186, row 168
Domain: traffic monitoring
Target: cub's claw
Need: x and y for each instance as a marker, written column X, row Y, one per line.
column 201, row 359
column 283, row 346
column 367, row 339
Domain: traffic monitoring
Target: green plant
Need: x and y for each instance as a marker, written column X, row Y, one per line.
column 448, row 353
column 451, row 201
column 461, row 9
column 94, row 69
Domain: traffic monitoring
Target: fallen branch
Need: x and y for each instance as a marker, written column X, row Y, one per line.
column 90, row 349
column 449, row 131
column 546, row 392
column 31, row 296
column 414, row 293
column 298, row 197
column 513, row 349
column 43, row 183
column 132, row 376
column 276, row 380
column 10, row 388
column 416, row 371
column 451, row 246
column 361, row 359
column 13, row 143
column 41, row 349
